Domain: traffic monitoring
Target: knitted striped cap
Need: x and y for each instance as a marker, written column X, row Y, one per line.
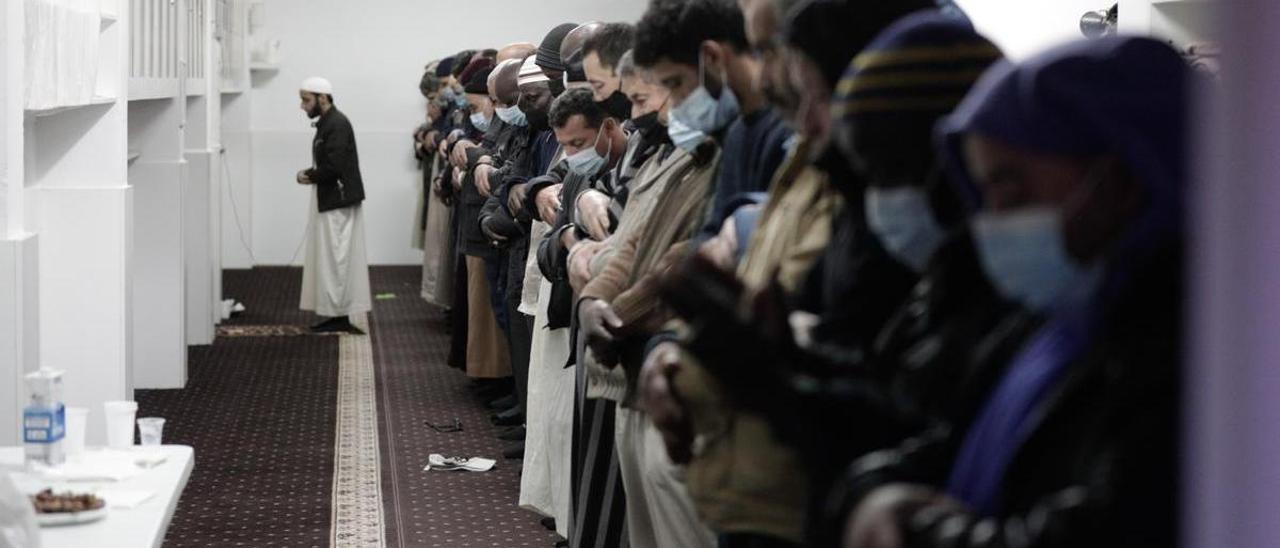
column 925, row 62
column 913, row 73
column 530, row 72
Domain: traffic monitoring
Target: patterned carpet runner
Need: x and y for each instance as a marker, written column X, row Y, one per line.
column 315, row 441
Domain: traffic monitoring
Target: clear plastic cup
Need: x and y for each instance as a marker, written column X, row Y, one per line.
column 150, row 430
column 119, row 416
column 77, row 425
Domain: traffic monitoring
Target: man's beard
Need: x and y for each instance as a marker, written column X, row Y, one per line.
column 538, row 120
column 557, row 87
column 315, row 112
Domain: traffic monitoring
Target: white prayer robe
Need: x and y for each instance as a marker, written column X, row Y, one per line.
column 335, row 276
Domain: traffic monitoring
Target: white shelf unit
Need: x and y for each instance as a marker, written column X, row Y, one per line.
column 155, row 48
column 105, row 225
column 65, row 202
column 202, row 230
column 176, row 133
column 231, row 34
column 50, row 111
column 63, row 45
column 19, row 252
column 235, row 156
column 198, row 43
column 160, row 67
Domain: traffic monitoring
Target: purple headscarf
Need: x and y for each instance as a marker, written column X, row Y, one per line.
column 1122, row 96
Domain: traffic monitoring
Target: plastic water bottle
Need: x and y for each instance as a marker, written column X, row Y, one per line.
column 44, row 420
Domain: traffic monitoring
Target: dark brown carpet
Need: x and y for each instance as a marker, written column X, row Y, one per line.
column 446, row 509
column 270, row 296
column 260, row 413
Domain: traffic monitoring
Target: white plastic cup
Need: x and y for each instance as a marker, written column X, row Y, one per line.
column 77, row 425
column 120, row 423
column 150, row 430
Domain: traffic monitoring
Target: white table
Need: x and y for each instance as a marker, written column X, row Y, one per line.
column 142, row 526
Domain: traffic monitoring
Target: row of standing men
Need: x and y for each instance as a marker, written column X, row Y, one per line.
column 817, row 272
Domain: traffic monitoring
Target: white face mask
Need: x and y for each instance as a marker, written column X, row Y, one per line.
column 479, row 120
column 1024, row 253
column 684, row 136
column 511, row 115
column 903, row 220
column 587, row 161
column 702, row 112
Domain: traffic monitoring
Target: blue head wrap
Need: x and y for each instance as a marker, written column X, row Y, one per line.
column 1118, row 95
column 1122, row 96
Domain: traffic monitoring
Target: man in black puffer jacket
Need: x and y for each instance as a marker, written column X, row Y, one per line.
column 335, row 277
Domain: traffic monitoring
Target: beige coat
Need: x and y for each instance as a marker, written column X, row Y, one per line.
column 744, row 479
column 612, row 266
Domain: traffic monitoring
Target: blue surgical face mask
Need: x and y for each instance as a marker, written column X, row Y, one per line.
column 448, row 94
column 460, row 99
column 588, row 162
column 703, row 112
column 479, row 120
column 684, row 136
column 512, row 115
column 1024, row 253
column 904, row 222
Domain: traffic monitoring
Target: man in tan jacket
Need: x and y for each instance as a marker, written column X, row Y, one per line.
column 748, row 485
column 661, row 216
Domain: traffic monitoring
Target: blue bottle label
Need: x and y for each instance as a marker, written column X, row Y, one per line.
column 44, row 424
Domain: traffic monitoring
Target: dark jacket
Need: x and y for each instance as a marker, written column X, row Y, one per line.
column 553, row 256
column 753, row 151
column 856, row 285
column 926, row 367
column 336, row 166
column 471, row 239
column 520, row 156
column 1100, row 465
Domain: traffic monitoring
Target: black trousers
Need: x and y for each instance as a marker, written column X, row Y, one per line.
column 458, row 336
column 520, row 339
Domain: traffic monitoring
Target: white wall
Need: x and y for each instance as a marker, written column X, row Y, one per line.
column 1024, row 27
column 373, row 52
column 235, row 162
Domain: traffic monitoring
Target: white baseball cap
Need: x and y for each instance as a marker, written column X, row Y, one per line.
column 316, row 84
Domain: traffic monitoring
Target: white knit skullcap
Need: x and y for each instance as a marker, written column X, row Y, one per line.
column 316, row 84
column 531, row 73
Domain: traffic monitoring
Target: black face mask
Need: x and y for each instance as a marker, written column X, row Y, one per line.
column 617, row 105
column 652, row 133
column 647, row 123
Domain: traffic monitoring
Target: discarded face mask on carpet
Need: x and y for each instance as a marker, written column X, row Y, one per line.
column 437, row 461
